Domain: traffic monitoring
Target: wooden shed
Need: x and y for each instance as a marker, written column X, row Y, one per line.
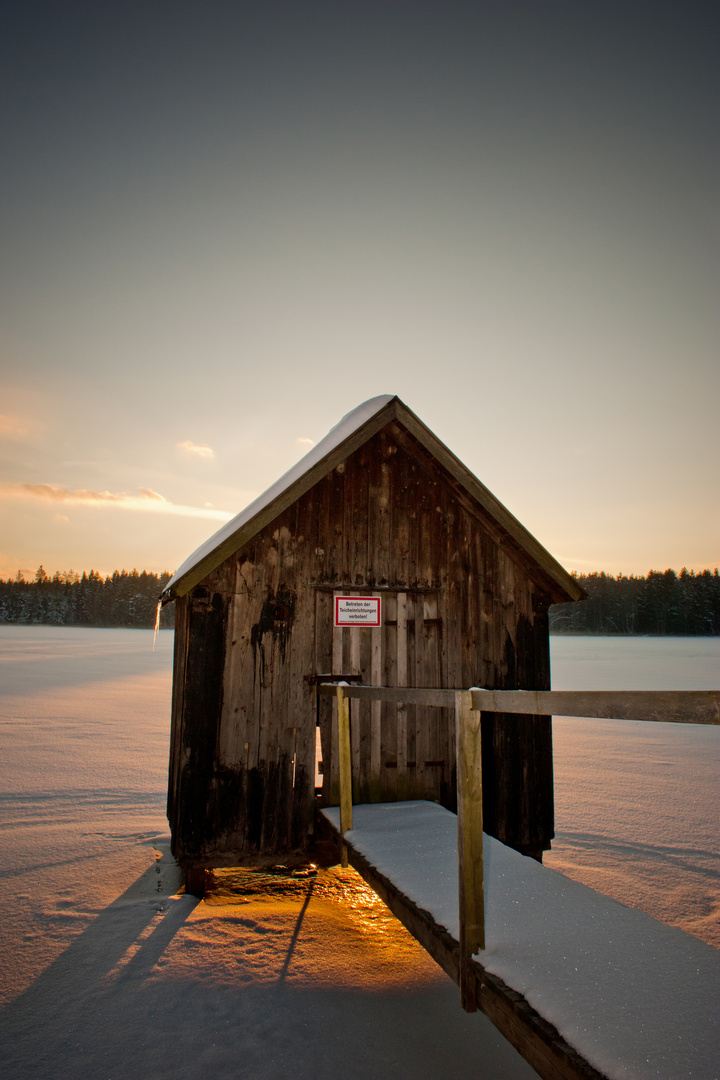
column 380, row 508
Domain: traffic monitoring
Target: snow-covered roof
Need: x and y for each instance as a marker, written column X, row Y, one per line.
column 347, row 436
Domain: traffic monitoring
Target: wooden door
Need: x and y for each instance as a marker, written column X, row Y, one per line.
column 399, row 752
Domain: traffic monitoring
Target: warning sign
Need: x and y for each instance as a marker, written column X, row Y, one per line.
column 357, row 611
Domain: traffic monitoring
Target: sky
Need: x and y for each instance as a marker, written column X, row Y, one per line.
column 223, row 225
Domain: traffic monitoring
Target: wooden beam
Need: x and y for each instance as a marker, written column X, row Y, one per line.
column 664, row 706
column 344, row 767
column 676, row 706
column 470, row 842
column 411, row 695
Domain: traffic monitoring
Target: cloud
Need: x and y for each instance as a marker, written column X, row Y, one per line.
column 61, row 517
column 145, row 500
column 205, row 453
column 303, row 441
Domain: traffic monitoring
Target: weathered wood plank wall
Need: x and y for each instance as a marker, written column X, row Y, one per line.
column 399, row 751
column 461, row 607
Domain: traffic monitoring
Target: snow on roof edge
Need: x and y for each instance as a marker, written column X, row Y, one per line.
column 341, row 431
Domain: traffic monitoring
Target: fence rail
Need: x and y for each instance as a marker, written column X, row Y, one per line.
column 680, row 707
column 665, row 706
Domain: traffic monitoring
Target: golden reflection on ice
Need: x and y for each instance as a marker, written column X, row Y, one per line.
column 319, row 928
column 346, row 887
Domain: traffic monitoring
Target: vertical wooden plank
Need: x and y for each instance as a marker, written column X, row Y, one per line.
column 237, row 728
column 325, row 706
column 354, row 634
column 493, row 730
column 361, row 719
column 323, row 631
column 337, row 643
column 540, row 645
column 484, row 547
column 401, row 673
column 345, row 762
column 389, row 709
column 248, row 600
column 376, row 670
column 415, row 496
column 356, row 516
column 336, row 668
column 335, row 548
column 276, row 744
column 510, row 625
column 347, row 509
column 259, row 812
column 422, row 718
column 470, row 842
column 302, row 712
column 452, row 620
column 437, row 721
column 413, row 792
column 196, row 795
column 401, row 509
column 445, row 731
column 321, row 559
column 402, row 652
column 379, row 499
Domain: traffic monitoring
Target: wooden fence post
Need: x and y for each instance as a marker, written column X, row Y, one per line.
column 470, row 842
column 344, row 768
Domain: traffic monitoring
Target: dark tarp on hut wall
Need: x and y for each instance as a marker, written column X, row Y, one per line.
column 380, row 506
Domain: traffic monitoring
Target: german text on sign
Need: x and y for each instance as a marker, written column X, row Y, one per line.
column 357, row 610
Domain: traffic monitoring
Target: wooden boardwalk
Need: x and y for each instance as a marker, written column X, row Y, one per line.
column 607, row 1006
column 534, row 1038
column 470, row 706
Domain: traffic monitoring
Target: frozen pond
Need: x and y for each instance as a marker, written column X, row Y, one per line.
column 635, row 663
column 637, row 805
column 84, row 724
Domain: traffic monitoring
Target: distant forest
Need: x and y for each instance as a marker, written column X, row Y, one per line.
column 70, row 599
column 661, row 603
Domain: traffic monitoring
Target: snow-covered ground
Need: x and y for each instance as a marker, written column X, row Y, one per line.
column 105, row 969
column 637, row 805
column 106, row 972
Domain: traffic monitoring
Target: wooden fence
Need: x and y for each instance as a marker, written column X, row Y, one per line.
column 682, row 706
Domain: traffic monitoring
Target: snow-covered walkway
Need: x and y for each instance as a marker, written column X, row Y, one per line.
column 634, row 997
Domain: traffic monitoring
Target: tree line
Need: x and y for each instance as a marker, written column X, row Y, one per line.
column 69, row 599
column 661, row 603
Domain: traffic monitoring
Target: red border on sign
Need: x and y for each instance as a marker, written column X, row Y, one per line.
column 374, row 599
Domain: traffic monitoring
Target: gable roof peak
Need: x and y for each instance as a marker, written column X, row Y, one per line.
column 350, row 433
column 205, row 559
